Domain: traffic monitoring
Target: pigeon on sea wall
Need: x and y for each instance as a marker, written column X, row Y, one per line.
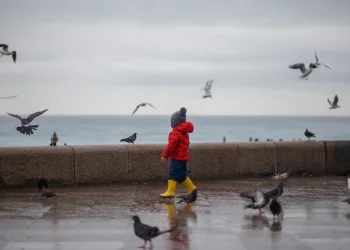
column 130, row 139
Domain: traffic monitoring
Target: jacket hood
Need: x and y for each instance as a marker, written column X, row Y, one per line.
column 185, row 127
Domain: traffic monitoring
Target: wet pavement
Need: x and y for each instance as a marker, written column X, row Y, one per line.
column 100, row 217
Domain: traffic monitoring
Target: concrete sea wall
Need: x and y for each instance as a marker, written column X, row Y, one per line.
column 23, row 166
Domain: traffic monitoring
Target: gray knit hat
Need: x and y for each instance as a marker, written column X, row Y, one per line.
column 178, row 117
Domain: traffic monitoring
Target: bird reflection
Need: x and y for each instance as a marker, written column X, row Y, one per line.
column 256, row 222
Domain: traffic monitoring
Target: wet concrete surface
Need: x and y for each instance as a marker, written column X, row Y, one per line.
column 100, row 217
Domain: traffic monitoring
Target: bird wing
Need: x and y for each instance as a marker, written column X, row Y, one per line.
column 335, row 102
column 259, row 197
column 300, row 66
column 14, row 55
column 211, row 83
column 206, row 86
column 31, row 117
column 330, row 103
column 250, row 195
column 136, row 109
column 325, row 65
column 17, row 116
column 316, row 57
column 4, row 47
column 8, row 97
column 150, row 105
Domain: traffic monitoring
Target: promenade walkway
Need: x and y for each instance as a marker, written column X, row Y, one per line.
column 99, row 218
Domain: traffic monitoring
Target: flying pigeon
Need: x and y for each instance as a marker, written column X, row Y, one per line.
column 26, row 128
column 8, row 53
column 306, row 72
column 334, row 104
column 309, row 134
column 283, row 176
column 142, row 105
column 260, row 199
column 130, row 139
column 317, row 63
column 8, row 97
column 147, row 233
column 188, row 198
column 207, row 89
column 275, row 207
column 269, row 172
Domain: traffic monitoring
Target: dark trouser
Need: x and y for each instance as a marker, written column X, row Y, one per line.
column 178, row 171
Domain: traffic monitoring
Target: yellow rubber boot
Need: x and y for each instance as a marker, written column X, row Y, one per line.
column 188, row 185
column 170, row 193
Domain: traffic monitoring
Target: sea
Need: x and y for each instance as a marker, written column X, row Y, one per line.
column 107, row 130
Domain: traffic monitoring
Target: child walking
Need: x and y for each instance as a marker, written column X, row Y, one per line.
column 177, row 151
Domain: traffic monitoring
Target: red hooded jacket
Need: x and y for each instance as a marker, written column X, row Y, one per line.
column 179, row 141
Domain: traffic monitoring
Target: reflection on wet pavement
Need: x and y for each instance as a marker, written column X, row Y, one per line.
column 100, row 217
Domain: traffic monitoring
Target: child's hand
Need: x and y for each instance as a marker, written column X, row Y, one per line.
column 163, row 159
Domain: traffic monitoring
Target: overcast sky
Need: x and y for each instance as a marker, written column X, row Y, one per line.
column 104, row 57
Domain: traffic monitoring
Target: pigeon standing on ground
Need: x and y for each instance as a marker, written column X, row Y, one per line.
column 26, row 128
column 306, row 72
column 260, row 199
column 207, row 89
column 142, row 105
column 130, row 139
column 45, row 193
column 147, row 233
column 348, row 198
column 309, row 134
column 283, row 176
column 8, row 97
column 344, row 172
column 269, row 172
column 188, row 198
column 7, row 53
column 317, row 63
column 275, row 207
column 302, row 171
column 334, row 104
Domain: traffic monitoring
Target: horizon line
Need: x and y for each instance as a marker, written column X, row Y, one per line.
column 198, row 115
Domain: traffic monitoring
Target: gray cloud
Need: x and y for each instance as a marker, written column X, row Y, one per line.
column 87, row 56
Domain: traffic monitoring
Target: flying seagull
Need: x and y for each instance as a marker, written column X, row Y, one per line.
column 260, row 199
column 8, row 53
column 8, row 97
column 130, row 139
column 309, row 134
column 142, row 105
column 317, row 63
column 207, row 89
column 147, row 233
column 25, row 122
column 306, row 72
column 283, row 176
column 334, row 105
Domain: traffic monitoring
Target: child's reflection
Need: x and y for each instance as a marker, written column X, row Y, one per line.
column 181, row 233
